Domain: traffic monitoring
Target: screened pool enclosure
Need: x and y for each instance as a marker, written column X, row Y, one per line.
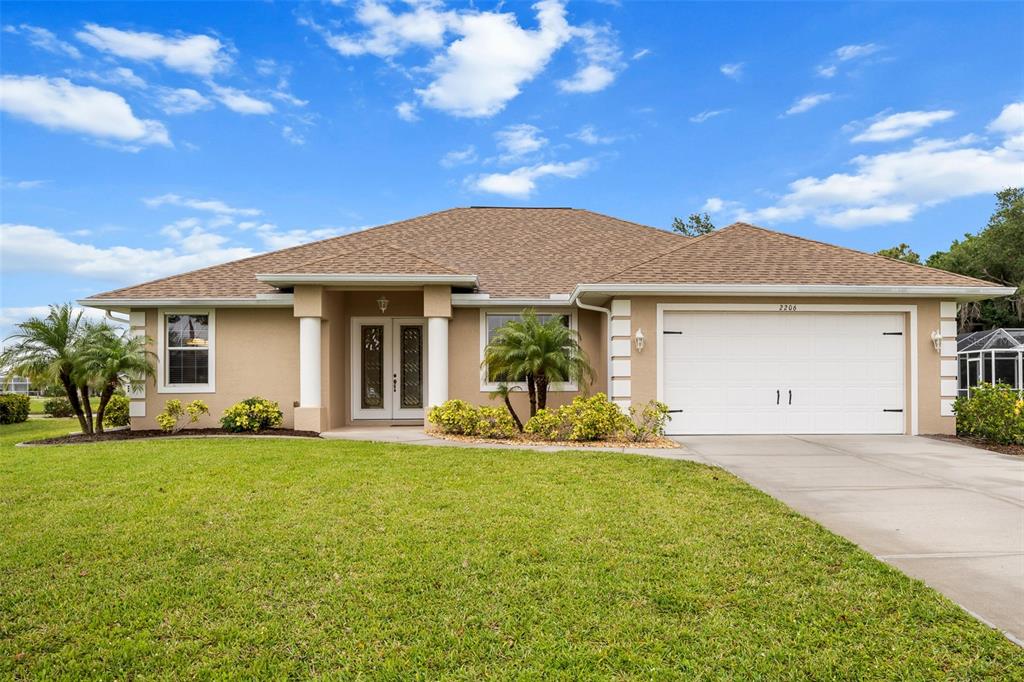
column 995, row 356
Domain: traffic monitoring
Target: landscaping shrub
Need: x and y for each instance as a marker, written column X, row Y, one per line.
column 58, row 407
column 252, row 415
column 170, row 419
column 546, row 425
column 647, row 423
column 14, row 408
column 455, row 416
column 495, row 422
column 995, row 413
column 593, row 418
column 117, row 412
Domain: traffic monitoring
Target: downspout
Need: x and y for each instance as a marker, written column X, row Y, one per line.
column 608, row 348
column 120, row 320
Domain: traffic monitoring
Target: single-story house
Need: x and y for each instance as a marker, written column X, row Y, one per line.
column 743, row 330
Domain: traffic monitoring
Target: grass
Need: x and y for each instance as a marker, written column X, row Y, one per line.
column 278, row 558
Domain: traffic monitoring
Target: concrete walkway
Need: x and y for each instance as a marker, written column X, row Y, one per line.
column 948, row 514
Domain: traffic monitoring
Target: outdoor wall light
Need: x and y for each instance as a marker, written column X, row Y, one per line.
column 937, row 340
column 382, row 303
column 640, row 340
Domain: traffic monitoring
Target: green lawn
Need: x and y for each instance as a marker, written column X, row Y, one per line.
column 277, row 558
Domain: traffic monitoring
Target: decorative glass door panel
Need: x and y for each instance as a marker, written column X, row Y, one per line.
column 389, row 378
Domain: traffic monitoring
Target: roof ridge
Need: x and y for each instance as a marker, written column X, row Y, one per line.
column 690, row 241
column 857, row 251
column 377, row 246
column 269, row 253
column 632, row 222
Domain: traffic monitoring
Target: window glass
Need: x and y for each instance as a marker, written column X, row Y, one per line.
column 372, row 389
column 496, row 320
column 963, row 372
column 1006, row 369
column 188, row 349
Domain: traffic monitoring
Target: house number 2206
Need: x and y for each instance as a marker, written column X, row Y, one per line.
column 787, row 308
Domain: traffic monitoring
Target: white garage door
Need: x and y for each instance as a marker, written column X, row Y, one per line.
column 783, row 372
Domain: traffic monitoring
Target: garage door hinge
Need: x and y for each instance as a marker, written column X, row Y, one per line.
column 668, row 332
column 885, row 410
column 674, row 411
column 892, row 333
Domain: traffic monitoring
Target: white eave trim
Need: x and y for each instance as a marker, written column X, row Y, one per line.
column 279, row 279
column 261, row 300
column 960, row 293
column 485, row 301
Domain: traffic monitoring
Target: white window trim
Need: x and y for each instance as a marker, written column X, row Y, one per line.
column 161, row 347
column 910, row 310
column 557, row 386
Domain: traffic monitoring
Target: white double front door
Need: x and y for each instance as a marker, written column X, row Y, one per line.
column 388, row 368
column 787, row 372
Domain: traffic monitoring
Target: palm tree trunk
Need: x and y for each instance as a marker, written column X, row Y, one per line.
column 515, row 417
column 542, row 392
column 108, row 391
column 86, row 408
column 531, row 389
column 76, row 404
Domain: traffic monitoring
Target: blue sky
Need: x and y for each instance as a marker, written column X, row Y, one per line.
column 144, row 139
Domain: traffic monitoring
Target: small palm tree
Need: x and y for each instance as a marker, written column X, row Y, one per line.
column 46, row 351
column 538, row 353
column 111, row 360
column 504, row 391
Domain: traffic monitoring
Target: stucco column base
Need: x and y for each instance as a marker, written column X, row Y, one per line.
column 309, row 419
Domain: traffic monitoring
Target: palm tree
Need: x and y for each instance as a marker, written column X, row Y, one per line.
column 46, row 351
column 111, row 360
column 538, row 353
column 504, row 391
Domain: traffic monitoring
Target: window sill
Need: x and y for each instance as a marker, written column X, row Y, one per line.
column 561, row 387
column 187, row 388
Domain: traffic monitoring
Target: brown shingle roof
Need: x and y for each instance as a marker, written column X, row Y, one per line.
column 530, row 252
column 746, row 254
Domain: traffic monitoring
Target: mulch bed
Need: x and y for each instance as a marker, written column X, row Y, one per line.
column 661, row 442
column 1016, row 450
column 77, row 438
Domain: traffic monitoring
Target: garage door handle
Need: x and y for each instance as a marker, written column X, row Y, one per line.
column 885, row 410
column 790, row 396
column 778, row 396
column 674, row 411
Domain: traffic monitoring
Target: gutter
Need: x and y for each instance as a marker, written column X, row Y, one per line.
column 285, row 279
column 836, row 290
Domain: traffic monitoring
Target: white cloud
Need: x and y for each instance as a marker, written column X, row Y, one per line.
column 1010, row 119
column 894, row 186
column 39, row 250
column 601, row 60
column 407, row 111
column 640, row 54
column 459, row 157
column 387, row 34
column 21, row 184
column 713, row 205
column 45, row 39
column 521, row 182
column 118, row 76
column 58, row 104
column 12, row 316
column 201, row 55
column 733, row 71
column 290, row 134
column 517, row 141
column 807, row 102
column 273, row 238
column 709, row 113
column 588, row 135
column 181, row 101
column 210, row 205
column 848, row 52
column 901, row 125
column 827, row 71
column 240, row 102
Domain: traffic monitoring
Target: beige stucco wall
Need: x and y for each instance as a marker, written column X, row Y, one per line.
column 930, row 420
column 256, row 354
column 465, row 344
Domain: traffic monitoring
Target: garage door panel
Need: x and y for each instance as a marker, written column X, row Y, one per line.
column 727, row 370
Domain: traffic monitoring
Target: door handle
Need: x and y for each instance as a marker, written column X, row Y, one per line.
column 394, row 383
column 790, row 396
column 777, row 396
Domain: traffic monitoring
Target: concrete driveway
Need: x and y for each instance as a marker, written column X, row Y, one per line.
column 950, row 515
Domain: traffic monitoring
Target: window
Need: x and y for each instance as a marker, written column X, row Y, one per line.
column 492, row 321
column 186, row 353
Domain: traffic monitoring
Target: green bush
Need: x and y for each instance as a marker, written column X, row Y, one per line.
column 170, row 419
column 252, row 415
column 117, row 412
column 547, row 425
column 593, row 418
column 58, row 406
column 995, row 413
column 455, row 416
column 495, row 422
column 14, row 408
column 648, row 422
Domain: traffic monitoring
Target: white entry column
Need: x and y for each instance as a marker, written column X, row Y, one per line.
column 437, row 360
column 309, row 362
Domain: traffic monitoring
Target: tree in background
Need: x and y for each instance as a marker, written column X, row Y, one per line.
column 996, row 253
column 696, row 225
column 902, row 252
